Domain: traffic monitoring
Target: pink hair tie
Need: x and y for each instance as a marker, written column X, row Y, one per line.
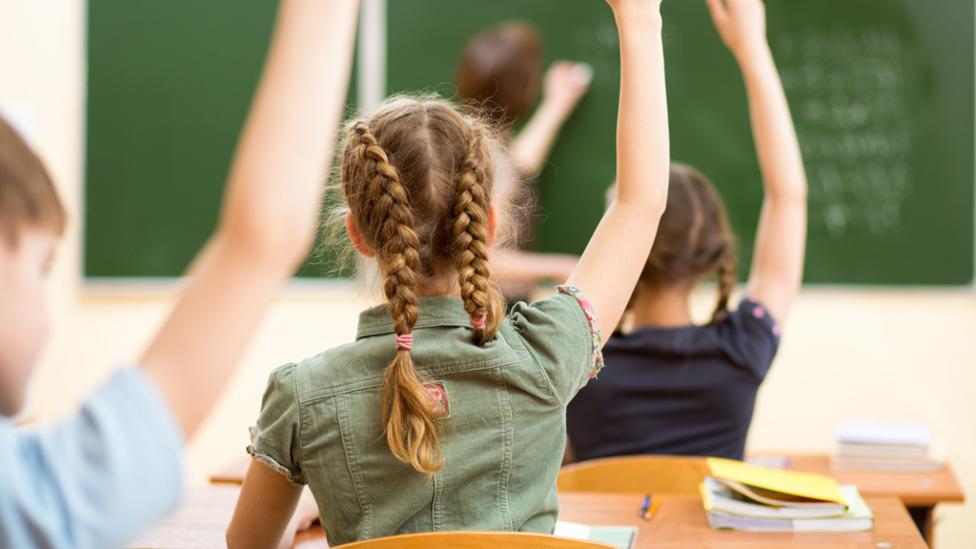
column 404, row 342
column 479, row 322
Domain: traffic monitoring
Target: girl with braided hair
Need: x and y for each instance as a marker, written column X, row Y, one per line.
column 679, row 388
column 447, row 413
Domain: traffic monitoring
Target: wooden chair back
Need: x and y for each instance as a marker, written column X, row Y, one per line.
column 475, row 540
column 646, row 474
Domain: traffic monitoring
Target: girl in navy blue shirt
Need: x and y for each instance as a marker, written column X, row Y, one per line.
column 673, row 387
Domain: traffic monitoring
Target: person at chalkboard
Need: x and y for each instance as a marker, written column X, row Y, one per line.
column 500, row 71
column 675, row 387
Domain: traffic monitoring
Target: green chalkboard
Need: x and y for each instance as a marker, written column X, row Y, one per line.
column 882, row 94
column 169, row 84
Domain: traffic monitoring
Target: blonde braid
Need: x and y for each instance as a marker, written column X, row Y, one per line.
column 408, row 414
column 470, row 225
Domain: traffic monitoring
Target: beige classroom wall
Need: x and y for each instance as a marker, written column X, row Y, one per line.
column 847, row 353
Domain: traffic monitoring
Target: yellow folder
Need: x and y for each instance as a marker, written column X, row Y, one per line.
column 804, row 485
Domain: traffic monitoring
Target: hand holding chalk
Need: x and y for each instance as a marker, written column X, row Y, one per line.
column 566, row 83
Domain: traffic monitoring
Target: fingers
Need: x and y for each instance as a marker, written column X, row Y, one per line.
column 583, row 73
column 559, row 68
column 560, row 65
column 570, row 73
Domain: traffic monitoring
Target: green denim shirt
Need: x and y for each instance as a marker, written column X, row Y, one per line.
column 502, row 410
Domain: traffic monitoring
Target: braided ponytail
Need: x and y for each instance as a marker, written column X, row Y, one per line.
column 410, row 430
column 482, row 301
column 417, row 178
column 726, row 280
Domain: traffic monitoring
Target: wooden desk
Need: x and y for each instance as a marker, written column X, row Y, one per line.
column 199, row 523
column 920, row 492
column 232, row 473
column 913, row 489
column 679, row 523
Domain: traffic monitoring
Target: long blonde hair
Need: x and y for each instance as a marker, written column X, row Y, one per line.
column 417, row 178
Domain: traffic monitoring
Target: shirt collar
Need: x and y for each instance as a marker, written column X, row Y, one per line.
column 433, row 312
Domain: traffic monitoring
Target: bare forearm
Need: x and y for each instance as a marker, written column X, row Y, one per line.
column 615, row 256
column 779, row 154
column 643, row 153
column 532, row 145
column 207, row 332
column 270, row 209
column 518, row 267
column 777, row 267
column 265, row 511
column 274, row 190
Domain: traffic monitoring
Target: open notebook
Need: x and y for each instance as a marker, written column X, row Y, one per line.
column 618, row 536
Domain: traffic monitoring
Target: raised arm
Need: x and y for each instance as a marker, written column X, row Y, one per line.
column 777, row 263
column 270, row 208
column 615, row 256
column 564, row 86
column 516, row 267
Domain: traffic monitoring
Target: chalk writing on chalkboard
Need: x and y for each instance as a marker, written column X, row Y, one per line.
column 849, row 92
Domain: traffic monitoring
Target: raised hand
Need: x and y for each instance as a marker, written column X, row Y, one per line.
column 741, row 24
column 566, row 83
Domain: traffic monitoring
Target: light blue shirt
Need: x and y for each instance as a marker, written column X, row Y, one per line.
column 99, row 478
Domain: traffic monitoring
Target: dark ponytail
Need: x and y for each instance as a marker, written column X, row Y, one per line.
column 694, row 240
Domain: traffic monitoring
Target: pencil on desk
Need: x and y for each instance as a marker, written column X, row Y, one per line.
column 649, row 507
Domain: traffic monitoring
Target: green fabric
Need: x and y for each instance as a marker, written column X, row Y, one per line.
column 503, row 437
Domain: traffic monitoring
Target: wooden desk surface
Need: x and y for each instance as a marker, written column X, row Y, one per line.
column 233, row 473
column 680, row 522
column 914, row 489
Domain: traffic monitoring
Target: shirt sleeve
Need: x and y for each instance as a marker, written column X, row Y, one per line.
column 751, row 337
column 275, row 440
column 563, row 337
column 99, row 478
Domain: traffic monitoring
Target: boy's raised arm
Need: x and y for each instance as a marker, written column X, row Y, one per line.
column 270, row 210
column 615, row 256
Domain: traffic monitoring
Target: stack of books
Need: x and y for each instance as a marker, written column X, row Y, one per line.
column 740, row 496
column 883, row 446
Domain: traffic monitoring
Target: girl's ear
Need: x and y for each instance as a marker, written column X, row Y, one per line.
column 492, row 224
column 356, row 237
